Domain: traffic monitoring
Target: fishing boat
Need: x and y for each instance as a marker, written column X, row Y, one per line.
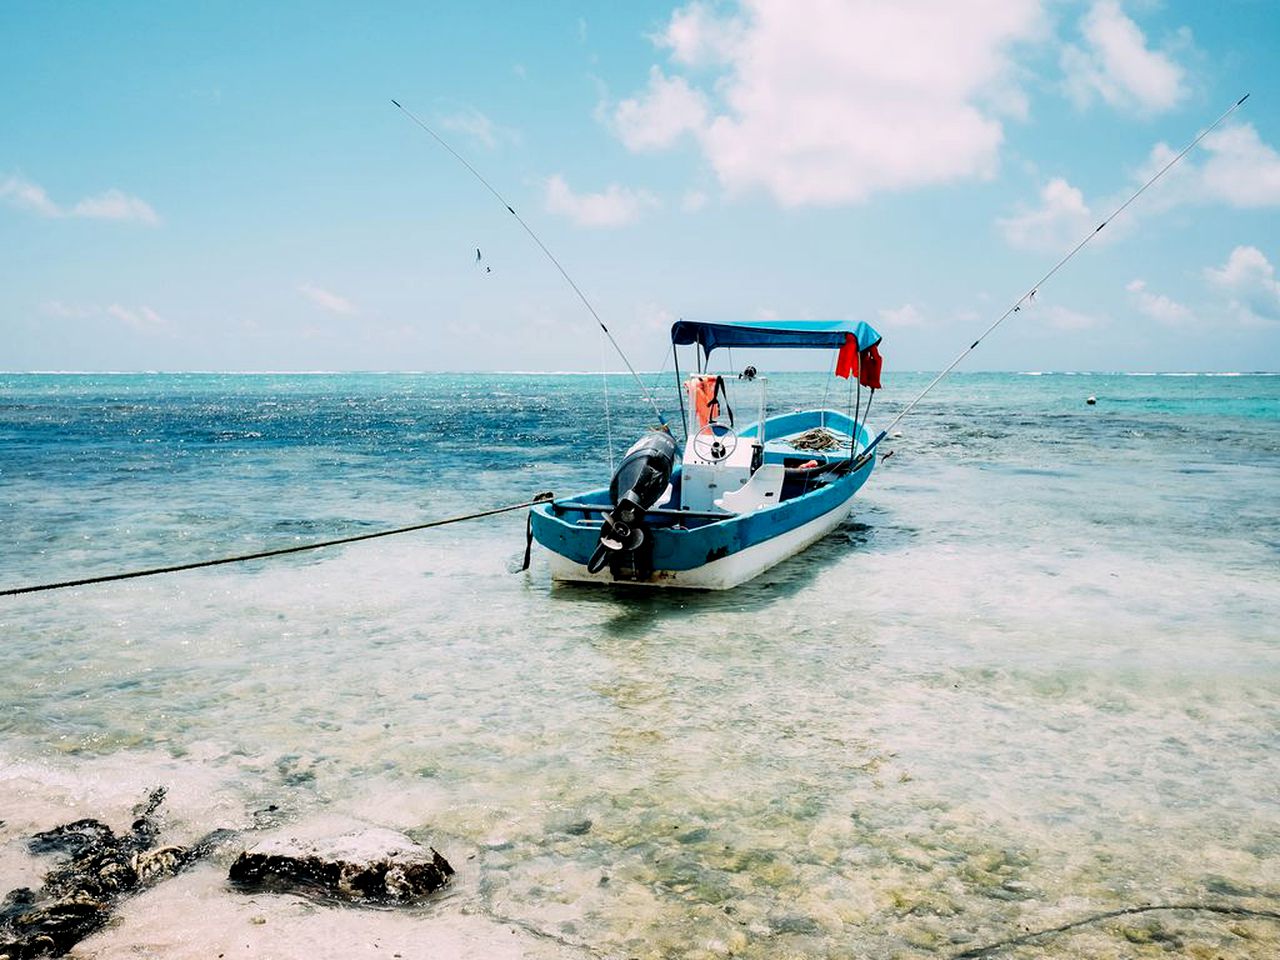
column 731, row 501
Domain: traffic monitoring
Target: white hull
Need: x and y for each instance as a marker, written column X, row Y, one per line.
column 726, row 572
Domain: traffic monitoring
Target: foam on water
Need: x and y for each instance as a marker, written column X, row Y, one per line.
column 1033, row 677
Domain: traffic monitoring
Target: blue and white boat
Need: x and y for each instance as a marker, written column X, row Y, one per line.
column 732, row 501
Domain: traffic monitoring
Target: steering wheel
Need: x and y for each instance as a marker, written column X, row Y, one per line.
column 715, row 442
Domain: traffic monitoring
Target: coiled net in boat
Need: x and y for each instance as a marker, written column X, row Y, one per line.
column 819, row 438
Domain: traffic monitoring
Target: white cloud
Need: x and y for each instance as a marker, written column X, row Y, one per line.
column 62, row 310
column 1062, row 219
column 28, row 196
column 115, row 205
column 1070, row 320
column 904, row 316
column 140, row 318
column 112, row 204
column 326, row 299
column 143, row 319
column 1158, row 306
column 1241, row 169
column 696, row 36
column 1249, row 280
column 655, row 119
column 615, row 207
column 654, row 318
column 693, row 201
column 1116, row 65
column 472, row 123
column 832, row 101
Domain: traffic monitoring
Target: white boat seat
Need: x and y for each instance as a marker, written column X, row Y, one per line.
column 764, row 489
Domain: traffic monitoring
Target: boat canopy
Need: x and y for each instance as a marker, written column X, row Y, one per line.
column 821, row 334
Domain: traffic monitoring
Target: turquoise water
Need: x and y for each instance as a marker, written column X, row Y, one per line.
column 1034, row 676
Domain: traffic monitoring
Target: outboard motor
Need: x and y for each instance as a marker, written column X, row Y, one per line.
column 640, row 480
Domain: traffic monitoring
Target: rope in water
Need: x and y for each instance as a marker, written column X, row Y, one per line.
column 1227, row 910
column 153, row 571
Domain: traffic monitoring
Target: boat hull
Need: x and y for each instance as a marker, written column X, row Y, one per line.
column 724, row 573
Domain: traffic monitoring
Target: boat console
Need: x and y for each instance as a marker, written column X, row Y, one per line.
column 717, row 462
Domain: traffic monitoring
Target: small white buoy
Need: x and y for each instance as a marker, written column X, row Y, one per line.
column 896, row 434
column 1091, row 400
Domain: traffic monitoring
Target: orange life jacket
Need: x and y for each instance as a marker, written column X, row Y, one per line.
column 705, row 390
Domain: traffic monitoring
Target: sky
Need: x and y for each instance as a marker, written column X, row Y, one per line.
column 227, row 186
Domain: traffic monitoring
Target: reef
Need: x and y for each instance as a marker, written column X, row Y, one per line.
column 99, row 869
column 369, row 865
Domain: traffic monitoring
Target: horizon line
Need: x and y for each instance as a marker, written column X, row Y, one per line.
column 610, row 373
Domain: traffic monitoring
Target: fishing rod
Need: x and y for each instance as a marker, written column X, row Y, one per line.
column 1027, row 297
column 541, row 246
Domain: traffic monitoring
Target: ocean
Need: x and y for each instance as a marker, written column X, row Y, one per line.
column 1033, row 679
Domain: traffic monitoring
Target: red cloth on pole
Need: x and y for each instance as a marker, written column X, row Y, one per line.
column 847, row 360
column 869, row 367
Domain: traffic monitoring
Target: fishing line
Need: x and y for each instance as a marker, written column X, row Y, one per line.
column 826, row 389
column 1029, row 296
column 853, row 412
column 684, row 417
column 608, row 416
column 666, row 358
column 541, row 246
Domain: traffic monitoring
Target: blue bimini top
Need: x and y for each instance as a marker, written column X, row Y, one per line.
column 820, row 334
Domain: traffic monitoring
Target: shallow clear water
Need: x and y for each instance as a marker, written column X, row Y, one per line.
column 1034, row 677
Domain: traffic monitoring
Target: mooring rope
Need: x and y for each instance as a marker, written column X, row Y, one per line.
column 153, row 571
column 1227, row 910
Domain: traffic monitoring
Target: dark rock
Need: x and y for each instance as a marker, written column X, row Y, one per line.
column 697, row 835
column 1231, row 888
column 804, row 926
column 100, row 868
column 374, row 865
column 51, row 928
column 71, row 838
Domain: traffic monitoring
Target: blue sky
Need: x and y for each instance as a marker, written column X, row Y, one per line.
column 227, row 186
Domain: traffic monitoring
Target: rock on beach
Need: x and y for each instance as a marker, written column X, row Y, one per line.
column 371, row 865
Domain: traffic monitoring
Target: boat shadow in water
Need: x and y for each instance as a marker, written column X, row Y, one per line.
column 638, row 609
